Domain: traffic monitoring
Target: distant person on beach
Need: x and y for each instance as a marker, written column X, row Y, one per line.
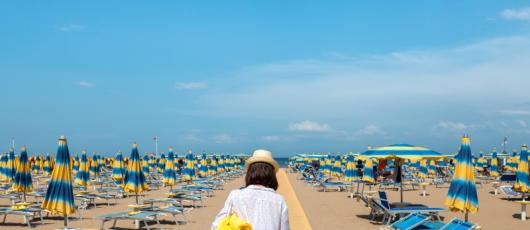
column 258, row 203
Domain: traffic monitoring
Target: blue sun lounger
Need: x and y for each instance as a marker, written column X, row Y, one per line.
column 457, row 224
column 390, row 213
column 411, row 221
column 142, row 216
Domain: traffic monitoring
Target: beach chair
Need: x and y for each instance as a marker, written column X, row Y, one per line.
column 457, row 224
column 391, row 213
column 143, row 216
column 27, row 213
column 509, row 192
column 337, row 185
column 409, row 222
column 171, row 210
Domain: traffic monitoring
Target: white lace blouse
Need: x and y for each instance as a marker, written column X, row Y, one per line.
column 262, row 207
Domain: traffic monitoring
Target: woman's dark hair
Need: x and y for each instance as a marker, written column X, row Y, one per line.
column 261, row 173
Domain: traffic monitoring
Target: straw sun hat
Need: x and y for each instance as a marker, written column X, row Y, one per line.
column 262, row 155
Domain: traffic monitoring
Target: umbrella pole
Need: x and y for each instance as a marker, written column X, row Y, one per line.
column 136, row 197
column 401, row 184
column 466, row 216
column 24, row 195
column 65, row 221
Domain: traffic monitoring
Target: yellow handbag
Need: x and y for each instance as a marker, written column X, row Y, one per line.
column 233, row 222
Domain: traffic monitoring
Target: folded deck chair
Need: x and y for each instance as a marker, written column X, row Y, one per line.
column 409, row 222
column 457, row 224
column 339, row 185
column 509, row 192
column 391, row 213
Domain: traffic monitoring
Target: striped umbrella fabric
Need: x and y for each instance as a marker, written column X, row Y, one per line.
column 3, row 169
column 118, row 168
column 189, row 169
column 203, row 170
column 521, row 182
column 75, row 168
column 402, row 151
column 94, row 166
column 351, row 170
column 494, row 165
column 48, row 165
column 161, row 163
column 423, row 169
column 221, row 164
column 212, row 168
column 83, row 175
column 432, row 167
column 145, row 164
column 170, row 177
column 59, row 197
column 11, row 166
column 462, row 194
column 368, row 171
column 23, row 181
column 336, row 171
column 134, row 177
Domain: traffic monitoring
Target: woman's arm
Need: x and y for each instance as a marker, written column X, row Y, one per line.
column 223, row 213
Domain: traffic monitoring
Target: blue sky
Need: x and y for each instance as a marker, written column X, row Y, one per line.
column 293, row 77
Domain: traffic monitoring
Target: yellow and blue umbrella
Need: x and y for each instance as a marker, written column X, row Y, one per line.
column 368, row 171
column 521, row 182
column 83, row 176
column 48, row 165
column 336, row 171
column 11, row 165
column 494, row 168
column 161, row 163
column 432, row 167
column 3, row 170
column 203, row 170
column 351, row 171
column 94, row 165
column 118, row 168
column 169, row 177
column 189, row 169
column 212, row 168
column 423, row 169
column 462, row 194
column 134, row 177
column 59, row 197
column 22, row 182
column 221, row 164
column 145, row 164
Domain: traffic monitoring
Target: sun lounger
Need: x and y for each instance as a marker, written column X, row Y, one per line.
column 143, row 216
column 27, row 213
column 509, row 192
column 172, row 210
column 457, row 224
column 390, row 213
column 409, row 222
column 340, row 186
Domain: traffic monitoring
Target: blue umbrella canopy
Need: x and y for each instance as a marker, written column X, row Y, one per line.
column 23, row 181
column 3, row 169
column 462, row 194
column 161, row 163
column 83, row 176
column 402, row 151
column 11, row 165
column 118, row 168
column 494, row 165
column 189, row 168
column 170, row 177
column 59, row 197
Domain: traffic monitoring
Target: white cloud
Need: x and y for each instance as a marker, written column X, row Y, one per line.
column 84, row 84
column 271, row 138
column 370, row 130
column 452, row 126
column 522, row 123
column 70, row 28
column 190, row 85
column 516, row 14
column 515, row 112
column 223, row 138
column 309, row 126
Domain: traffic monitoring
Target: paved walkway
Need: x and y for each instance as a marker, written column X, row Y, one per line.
column 297, row 217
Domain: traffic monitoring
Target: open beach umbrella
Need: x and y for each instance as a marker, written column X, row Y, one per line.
column 189, row 167
column 400, row 153
column 203, row 170
column 462, row 194
column 118, row 168
column 11, row 165
column 521, row 182
column 59, row 197
column 169, row 178
column 494, row 165
column 83, row 175
column 134, row 177
column 22, row 182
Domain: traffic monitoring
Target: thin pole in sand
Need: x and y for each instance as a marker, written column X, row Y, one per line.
column 136, row 197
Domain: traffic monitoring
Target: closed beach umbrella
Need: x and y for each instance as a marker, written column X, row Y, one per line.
column 161, row 163
column 368, row 171
column 351, row 171
column 203, row 170
column 76, row 166
column 432, row 167
column 134, row 177
column 212, row 168
column 170, row 177
column 48, row 165
column 94, row 166
column 145, row 164
column 189, row 167
column 23, row 181
column 521, row 183
column 494, row 168
column 83, row 175
column 423, row 169
column 462, row 194
column 59, row 197
column 337, row 167
column 11, row 165
column 221, row 164
column 152, row 163
column 3, row 164
column 118, row 168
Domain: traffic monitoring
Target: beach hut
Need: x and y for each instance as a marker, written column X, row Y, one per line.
column 521, row 182
column 22, row 182
column 134, row 176
column 462, row 193
column 83, row 175
column 59, row 199
column 400, row 153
